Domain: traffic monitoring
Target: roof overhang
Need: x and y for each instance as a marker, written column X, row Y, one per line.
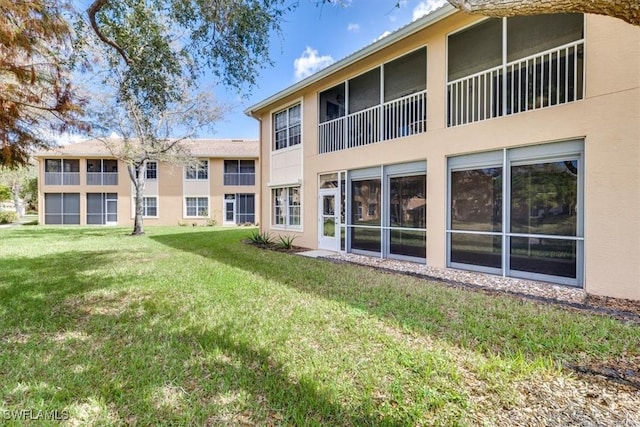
column 406, row 31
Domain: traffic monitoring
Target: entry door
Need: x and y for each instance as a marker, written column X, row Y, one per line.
column 329, row 219
column 230, row 211
column 111, row 211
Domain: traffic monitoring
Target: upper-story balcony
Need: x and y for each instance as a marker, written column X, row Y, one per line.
column 385, row 103
column 239, row 172
column 102, row 172
column 513, row 65
column 61, row 172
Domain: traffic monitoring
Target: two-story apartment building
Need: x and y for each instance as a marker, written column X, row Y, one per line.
column 84, row 184
column 506, row 146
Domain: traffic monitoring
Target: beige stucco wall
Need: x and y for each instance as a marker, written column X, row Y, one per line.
column 608, row 120
column 170, row 188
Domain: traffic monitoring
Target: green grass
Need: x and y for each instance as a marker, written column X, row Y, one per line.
column 190, row 326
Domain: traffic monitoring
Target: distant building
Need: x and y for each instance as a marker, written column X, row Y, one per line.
column 83, row 184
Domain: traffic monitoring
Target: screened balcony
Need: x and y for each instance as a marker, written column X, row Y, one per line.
column 61, row 172
column 102, row 172
column 385, row 103
column 239, row 172
column 541, row 67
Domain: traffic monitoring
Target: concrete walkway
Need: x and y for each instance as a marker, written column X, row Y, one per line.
column 318, row 253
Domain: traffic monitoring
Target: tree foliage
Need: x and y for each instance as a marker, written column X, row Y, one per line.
column 162, row 45
column 36, row 93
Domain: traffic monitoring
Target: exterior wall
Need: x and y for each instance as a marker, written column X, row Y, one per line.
column 606, row 119
column 169, row 187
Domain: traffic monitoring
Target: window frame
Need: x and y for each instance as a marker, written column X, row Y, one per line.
column 153, row 169
column 198, row 199
column 146, row 207
column 287, row 207
column 197, row 172
column 290, row 140
column 572, row 150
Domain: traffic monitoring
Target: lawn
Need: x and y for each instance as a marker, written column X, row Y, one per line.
column 191, row 326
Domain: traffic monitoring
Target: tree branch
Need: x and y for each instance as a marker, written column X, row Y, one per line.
column 92, row 11
column 627, row 10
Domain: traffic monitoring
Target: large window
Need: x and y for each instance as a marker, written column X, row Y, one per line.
column 199, row 171
column 239, row 172
column 197, row 207
column 287, row 205
column 62, row 208
column 388, row 211
column 287, row 127
column 518, row 212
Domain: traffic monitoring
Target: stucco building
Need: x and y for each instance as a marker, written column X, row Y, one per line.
column 84, row 184
column 507, row 146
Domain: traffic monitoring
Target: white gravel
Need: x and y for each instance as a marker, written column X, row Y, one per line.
column 489, row 281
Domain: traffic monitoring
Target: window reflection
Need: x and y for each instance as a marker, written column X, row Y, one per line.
column 544, row 198
column 476, row 199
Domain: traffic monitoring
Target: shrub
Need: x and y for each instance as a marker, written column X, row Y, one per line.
column 264, row 239
column 286, row 242
column 8, row 217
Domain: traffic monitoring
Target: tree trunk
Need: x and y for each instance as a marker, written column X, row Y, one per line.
column 627, row 10
column 137, row 175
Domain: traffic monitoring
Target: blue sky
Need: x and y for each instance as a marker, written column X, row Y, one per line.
column 312, row 38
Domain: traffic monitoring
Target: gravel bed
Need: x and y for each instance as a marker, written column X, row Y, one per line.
column 487, row 281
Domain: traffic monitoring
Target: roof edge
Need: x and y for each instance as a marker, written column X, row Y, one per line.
column 401, row 33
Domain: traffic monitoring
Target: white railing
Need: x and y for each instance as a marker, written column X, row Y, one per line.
column 62, row 178
column 394, row 119
column 245, row 178
column 102, row 178
column 542, row 80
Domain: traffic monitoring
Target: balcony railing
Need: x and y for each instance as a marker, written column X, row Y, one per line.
column 62, row 178
column 394, row 119
column 102, row 178
column 549, row 78
column 240, row 178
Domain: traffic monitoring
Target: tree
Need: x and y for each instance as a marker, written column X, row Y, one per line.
column 36, row 94
column 155, row 53
column 627, row 10
column 17, row 180
column 158, row 136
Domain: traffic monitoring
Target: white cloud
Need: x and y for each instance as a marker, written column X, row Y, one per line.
column 354, row 28
column 310, row 62
column 383, row 35
column 426, row 6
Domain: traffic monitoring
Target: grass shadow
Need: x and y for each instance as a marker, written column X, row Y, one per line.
column 490, row 324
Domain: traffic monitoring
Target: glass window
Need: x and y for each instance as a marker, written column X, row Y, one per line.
column 199, row 171
column 541, row 235
column 287, row 127
column 230, row 166
column 544, row 198
column 476, row 199
column 150, row 206
column 197, row 206
column 287, row 206
column 329, row 180
column 366, row 197
column 152, row 170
